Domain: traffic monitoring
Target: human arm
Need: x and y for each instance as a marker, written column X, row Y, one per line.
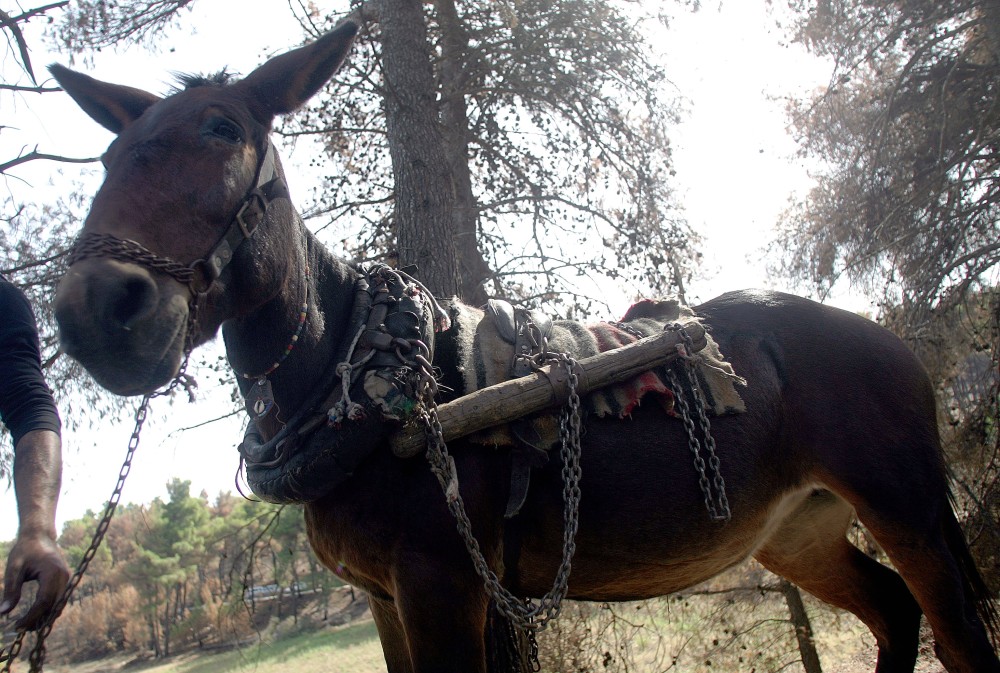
column 27, row 408
column 35, row 555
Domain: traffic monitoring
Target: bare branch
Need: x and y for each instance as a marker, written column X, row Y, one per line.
column 22, row 45
column 30, row 89
column 38, row 11
column 45, row 261
column 36, row 155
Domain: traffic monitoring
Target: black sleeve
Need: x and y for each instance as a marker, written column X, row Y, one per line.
column 26, row 402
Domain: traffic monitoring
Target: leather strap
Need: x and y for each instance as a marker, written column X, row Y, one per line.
column 244, row 224
column 528, row 332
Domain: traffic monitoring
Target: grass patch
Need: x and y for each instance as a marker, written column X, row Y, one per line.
column 350, row 649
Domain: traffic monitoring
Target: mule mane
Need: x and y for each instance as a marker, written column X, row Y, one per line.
column 193, row 80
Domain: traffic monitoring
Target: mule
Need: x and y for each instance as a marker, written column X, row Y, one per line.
column 839, row 421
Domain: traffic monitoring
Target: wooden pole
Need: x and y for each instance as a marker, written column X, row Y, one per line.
column 504, row 402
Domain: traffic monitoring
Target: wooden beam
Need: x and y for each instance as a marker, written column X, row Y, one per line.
column 504, row 402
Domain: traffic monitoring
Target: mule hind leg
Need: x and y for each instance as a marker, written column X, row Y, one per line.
column 898, row 488
column 935, row 562
column 810, row 549
column 860, row 419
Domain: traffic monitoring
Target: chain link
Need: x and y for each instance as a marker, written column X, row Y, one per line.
column 717, row 506
column 9, row 654
column 525, row 615
column 93, row 244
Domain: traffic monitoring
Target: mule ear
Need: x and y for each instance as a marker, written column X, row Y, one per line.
column 286, row 82
column 113, row 106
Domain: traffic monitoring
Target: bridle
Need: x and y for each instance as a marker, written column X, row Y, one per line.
column 200, row 275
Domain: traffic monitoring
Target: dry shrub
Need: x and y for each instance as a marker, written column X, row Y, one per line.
column 215, row 621
column 229, row 619
column 603, row 637
column 99, row 624
column 738, row 622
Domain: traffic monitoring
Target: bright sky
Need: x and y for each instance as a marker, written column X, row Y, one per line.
column 734, row 177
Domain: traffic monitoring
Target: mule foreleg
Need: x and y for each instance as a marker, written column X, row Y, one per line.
column 443, row 614
column 391, row 635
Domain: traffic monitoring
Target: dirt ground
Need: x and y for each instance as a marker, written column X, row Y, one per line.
column 865, row 663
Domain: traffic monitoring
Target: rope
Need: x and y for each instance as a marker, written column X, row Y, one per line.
column 345, row 407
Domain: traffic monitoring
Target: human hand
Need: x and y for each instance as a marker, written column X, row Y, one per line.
column 34, row 557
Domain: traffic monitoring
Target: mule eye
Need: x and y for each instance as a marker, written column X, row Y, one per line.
column 224, row 129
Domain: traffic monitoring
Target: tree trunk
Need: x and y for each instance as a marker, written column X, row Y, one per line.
column 425, row 190
column 166, row 623
column 453, row 75
column 154, row 636
column 991, row 25
column 295, row 594
column 803, row 629
column 275, row 580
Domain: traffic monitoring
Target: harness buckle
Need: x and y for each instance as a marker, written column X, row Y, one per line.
column 254, row 198
column 203, row 274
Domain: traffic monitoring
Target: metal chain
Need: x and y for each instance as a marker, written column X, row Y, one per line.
column 706, row 428
column 720, row 512
column 9, row 654
column 95, row 244
column 717, row 511
column 36, row 658
column 526, row 615
column 88, row 245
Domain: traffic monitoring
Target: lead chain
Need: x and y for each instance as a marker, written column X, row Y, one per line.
column 36, row 659
column 527, row 616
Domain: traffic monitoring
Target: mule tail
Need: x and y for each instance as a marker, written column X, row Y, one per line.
column 975, row 585
column 508, row 648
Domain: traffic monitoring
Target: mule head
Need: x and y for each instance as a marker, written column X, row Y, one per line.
column 179, row 171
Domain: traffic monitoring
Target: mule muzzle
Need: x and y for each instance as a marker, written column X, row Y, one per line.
column 125, row 326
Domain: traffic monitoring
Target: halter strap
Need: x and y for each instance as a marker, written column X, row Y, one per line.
column 200, row 274
column 249, row 215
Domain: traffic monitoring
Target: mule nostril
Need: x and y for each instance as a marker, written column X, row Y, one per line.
column 134, row 300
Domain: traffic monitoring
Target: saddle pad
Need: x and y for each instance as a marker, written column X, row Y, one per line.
column 486, row 358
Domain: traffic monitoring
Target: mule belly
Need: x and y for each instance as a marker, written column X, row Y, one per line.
column 601, row 574
column 638, row 580
column 668, row 555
